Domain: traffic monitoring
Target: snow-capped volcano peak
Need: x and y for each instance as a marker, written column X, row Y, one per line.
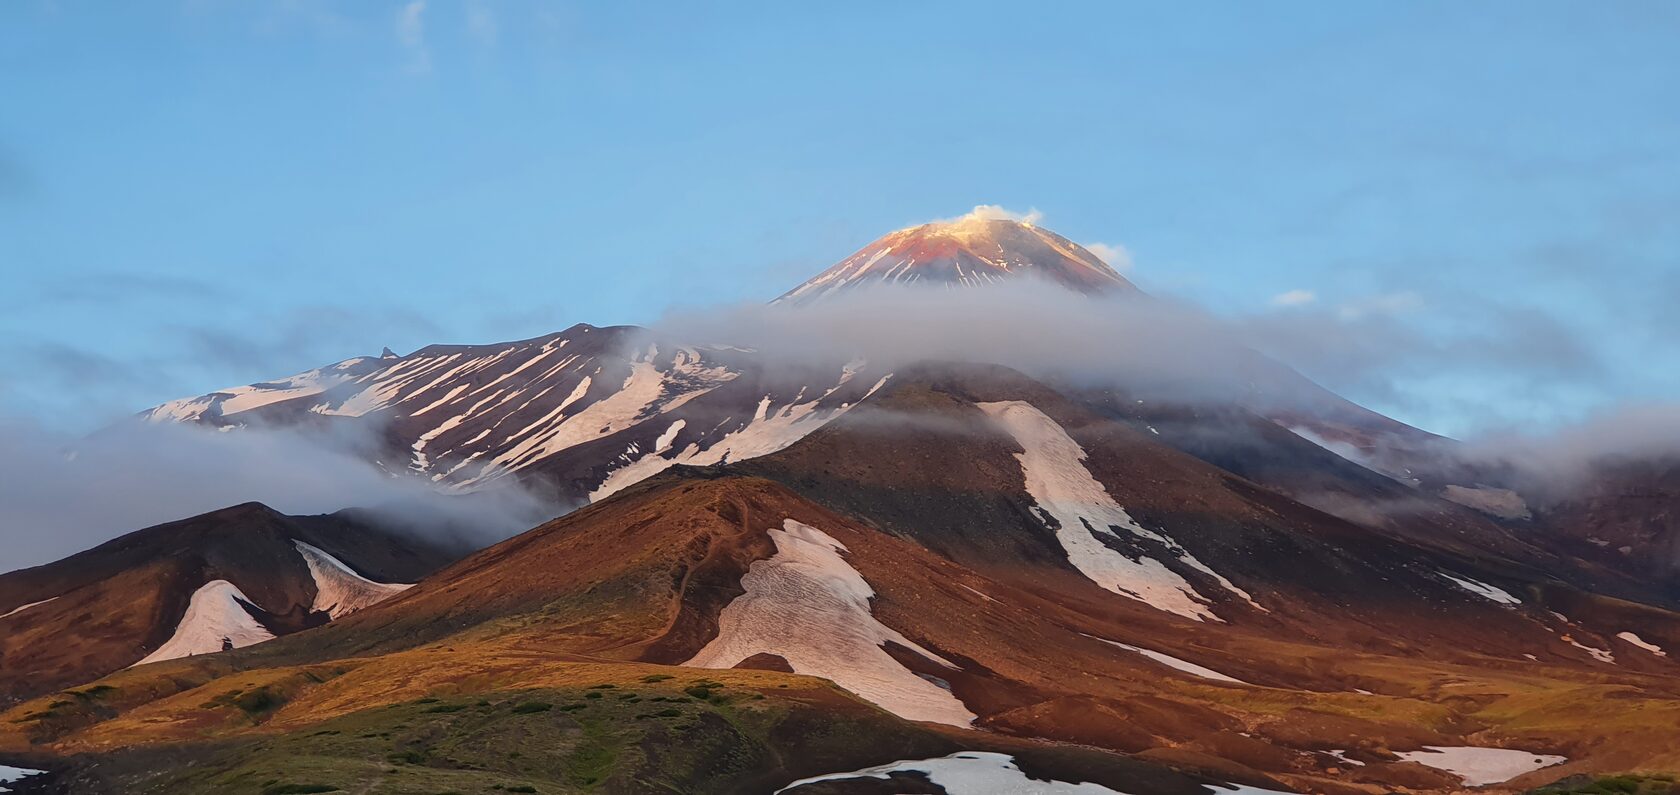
column 980, row 248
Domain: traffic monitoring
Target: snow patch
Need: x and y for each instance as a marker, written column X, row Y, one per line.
column 234, row 400
column 9, row 774
column 987, row 773
column 967, row 773
column 1083, row 511
column 20, row 608
column 1175, row 663
column 765, row 434
column 665, row 439
column 807, row 605
column 976, row 593
column 1481, row 766
column 215, row 613
column 1601, row 655
column 1483, row 590
column 1627, row 636
column 339, row 590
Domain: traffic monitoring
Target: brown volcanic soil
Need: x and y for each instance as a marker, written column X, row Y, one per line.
column 116, row 602
column 1554, row 544
column 642, row 576
column 1626, row 516
column 1362, row 646
column 920, row 462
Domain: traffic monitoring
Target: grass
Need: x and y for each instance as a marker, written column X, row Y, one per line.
column 521, row 741
column 595, row 754
column 1624, row 784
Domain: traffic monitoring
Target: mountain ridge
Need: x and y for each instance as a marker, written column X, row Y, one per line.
column 972, row 251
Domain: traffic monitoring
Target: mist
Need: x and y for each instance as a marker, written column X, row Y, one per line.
column 61, row 494
column 1166, row 350
column 1555, row 463
column 1041, row 329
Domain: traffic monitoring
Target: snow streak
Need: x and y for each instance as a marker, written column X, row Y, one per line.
column 807, row 605
column 339, row 590
column 1083, row 514
column 216, row 613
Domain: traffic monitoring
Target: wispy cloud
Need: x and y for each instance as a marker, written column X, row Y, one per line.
column 1161, row 346
column 411, row 33
column 1114, row 254
column 993, row 212
column 1294, row 298
column 145, row 474
column 1557, row 460
column 203, row 335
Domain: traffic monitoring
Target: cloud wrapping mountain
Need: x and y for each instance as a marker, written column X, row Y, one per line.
column 60, row 494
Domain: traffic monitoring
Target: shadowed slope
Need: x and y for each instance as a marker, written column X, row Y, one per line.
column 106, row 608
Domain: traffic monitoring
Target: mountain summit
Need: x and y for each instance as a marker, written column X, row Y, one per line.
column 976, row 249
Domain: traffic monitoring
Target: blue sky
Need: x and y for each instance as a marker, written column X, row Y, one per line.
column 1473, row 208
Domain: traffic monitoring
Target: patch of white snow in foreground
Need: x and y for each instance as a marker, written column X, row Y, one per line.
column 1057, row 480
column 1483, row 590
column 807, row 605
column 339, row 590
column 986, row 773
column 1174, row 663
column 968, row 773
column 20, row 608
column 9, row 774
column 1627, row 636
column 215, row 613
column 1480, row 766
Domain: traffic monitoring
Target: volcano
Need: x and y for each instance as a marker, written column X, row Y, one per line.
column 974, row 250
column 844, row 574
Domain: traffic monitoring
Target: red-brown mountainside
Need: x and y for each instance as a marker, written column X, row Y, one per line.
column 666, row 570
column 1271, row 586
column 582, row 413
column 1627, row 516
column 604, row 597
column 969, row 547
column 923, row 460
column 1265, row 452
column 98, row 611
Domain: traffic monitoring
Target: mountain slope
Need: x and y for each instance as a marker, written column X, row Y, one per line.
column 244, row 574
column 581, row 414
column 568, row 411
column 971, row 251
column 584, row 412
column 659, row 575
column 923, row 551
